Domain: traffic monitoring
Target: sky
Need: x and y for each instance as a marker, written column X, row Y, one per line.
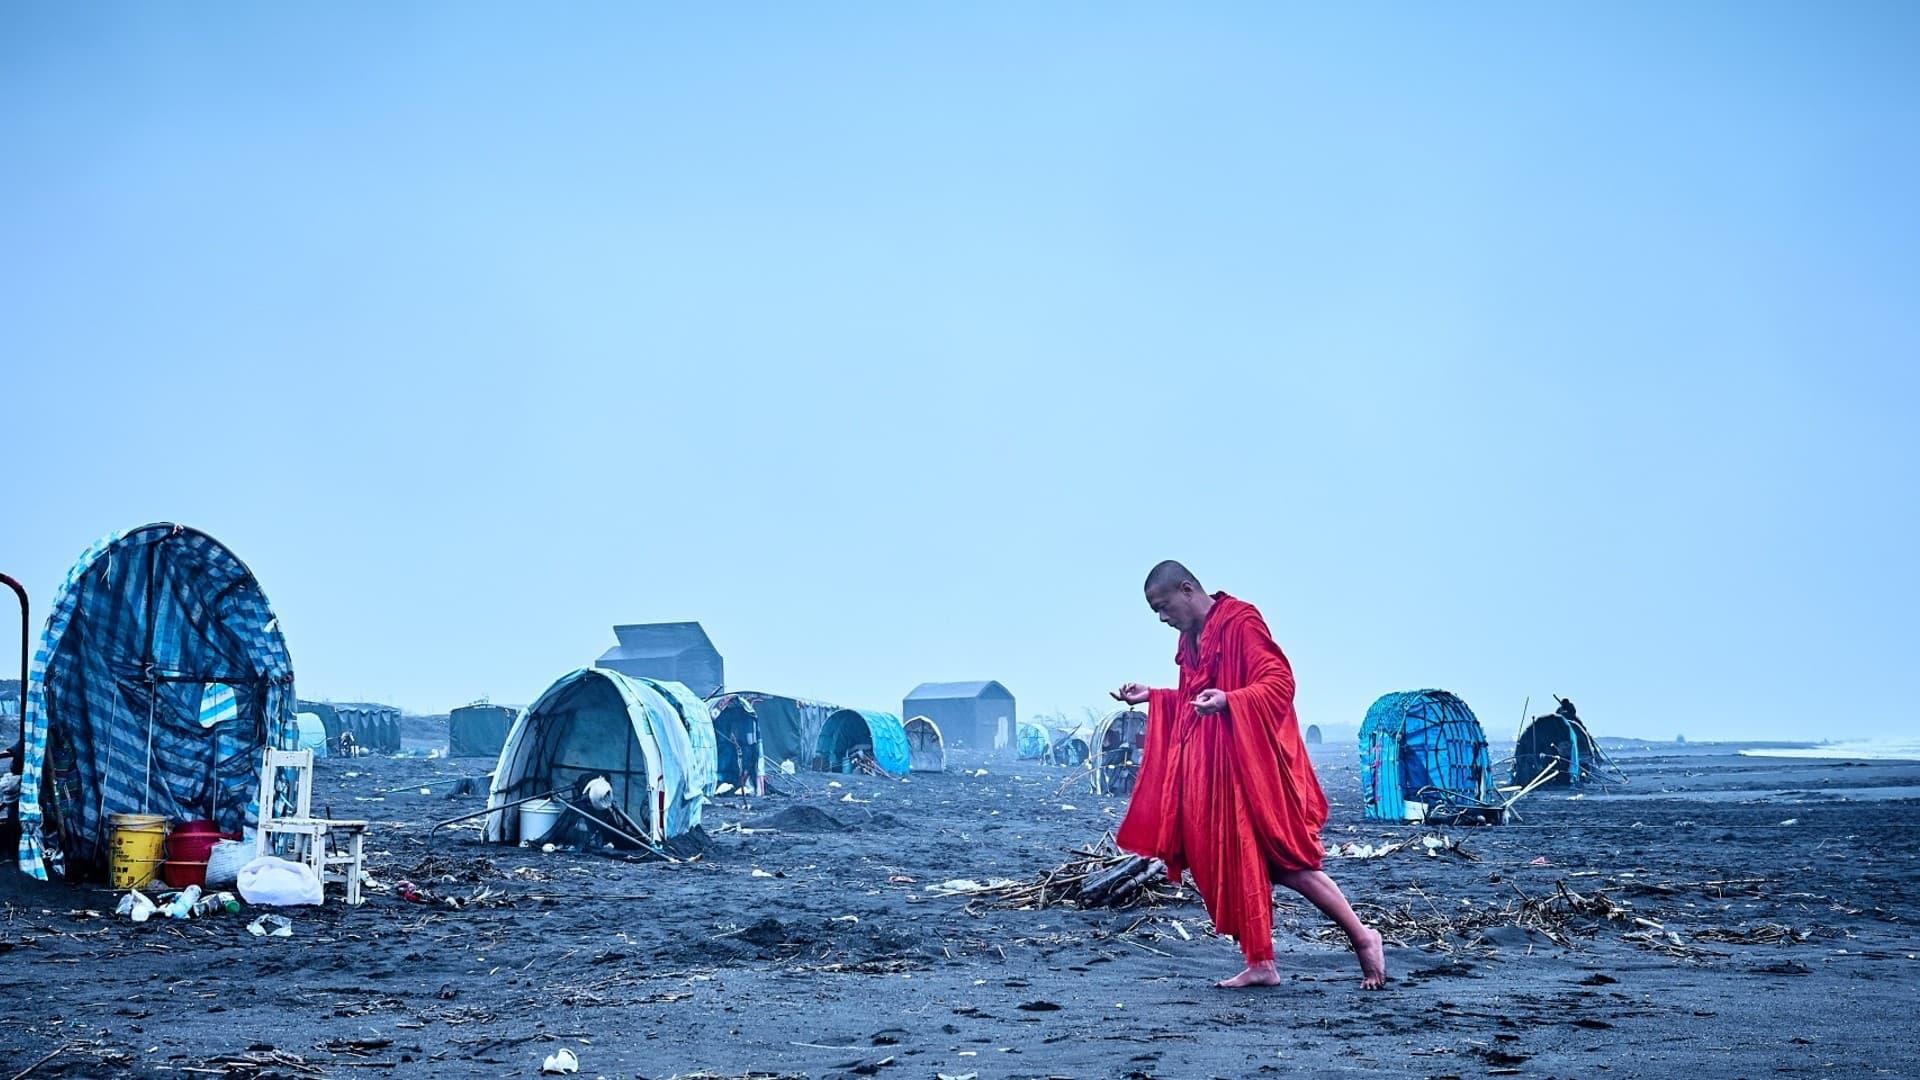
column 1510, row 349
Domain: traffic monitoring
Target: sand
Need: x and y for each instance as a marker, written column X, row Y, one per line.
column 835, row 959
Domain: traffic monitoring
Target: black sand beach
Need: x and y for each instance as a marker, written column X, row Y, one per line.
column 1721, row 917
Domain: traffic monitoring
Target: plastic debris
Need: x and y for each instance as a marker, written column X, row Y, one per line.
column 563, row 1061
column 136, row 906
column 271, row 926
column 1791, row 821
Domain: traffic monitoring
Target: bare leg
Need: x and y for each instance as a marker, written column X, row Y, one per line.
column 1320, row 890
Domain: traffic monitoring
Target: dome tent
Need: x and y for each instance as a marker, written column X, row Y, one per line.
column 926, row 750
column 1560, row 741
column 598, row 722
column 1420, row 749
column 850, row 731
column 1034, row 740
column 159, row 679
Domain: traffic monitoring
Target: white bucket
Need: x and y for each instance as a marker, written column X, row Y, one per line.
column 537, row 818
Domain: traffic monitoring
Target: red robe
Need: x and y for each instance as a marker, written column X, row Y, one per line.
column 1230, row 798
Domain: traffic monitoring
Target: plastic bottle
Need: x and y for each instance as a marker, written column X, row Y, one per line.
column 215, row 904
column 182, row 906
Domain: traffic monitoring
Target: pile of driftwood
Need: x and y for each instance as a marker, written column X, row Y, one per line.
column 1561, row 917
column 1100, row 877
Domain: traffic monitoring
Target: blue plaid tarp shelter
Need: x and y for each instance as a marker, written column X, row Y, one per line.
column 160, row 677
column 597, row 722
column 1423, row 746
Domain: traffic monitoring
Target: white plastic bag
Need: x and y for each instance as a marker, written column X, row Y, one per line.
column 279, row 882
column 225, row 860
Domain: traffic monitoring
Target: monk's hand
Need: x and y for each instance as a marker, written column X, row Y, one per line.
column 1133, row 693
column 1210, row 702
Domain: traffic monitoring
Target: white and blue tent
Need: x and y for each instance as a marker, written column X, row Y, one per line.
column 698, row 720
column 159, row 679
column 597, row 722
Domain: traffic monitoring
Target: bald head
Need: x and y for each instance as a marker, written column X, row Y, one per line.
column 1171, row 575
column 1176, row 597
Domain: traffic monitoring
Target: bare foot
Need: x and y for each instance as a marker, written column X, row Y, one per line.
column 1261, row 974
column 1373, row 960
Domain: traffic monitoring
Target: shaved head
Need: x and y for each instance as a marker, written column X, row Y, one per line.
column 1171, row 575
column 1176, row 597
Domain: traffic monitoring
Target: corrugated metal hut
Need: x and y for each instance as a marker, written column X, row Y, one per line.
column 680, row 652
column 975, row 715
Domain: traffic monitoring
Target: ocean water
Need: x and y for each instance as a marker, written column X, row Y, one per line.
column 1889, row 749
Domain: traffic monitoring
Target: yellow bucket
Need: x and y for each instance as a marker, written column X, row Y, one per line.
column 136, row 846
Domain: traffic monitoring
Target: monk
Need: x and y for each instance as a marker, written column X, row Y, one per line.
column 1225, row 791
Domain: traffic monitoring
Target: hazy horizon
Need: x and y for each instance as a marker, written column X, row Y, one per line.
column 1507, row 350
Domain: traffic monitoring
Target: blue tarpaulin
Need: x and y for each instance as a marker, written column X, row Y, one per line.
column 160, row 677
column 1425, row 746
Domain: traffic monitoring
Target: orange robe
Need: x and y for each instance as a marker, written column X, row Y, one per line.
column 1229, row 798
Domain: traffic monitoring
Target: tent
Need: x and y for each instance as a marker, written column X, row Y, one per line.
column 479, row 729
column 849, row 733
column 313, row 733
column 1313, row 735
column 1421, row 750
column 925, row 749
column 1035, row 741
column 1116, row 744
column 159, row 679
column 1072, row 749
column 698, row 720
column 1560, row 741
column 756, row 733
column 597, row 722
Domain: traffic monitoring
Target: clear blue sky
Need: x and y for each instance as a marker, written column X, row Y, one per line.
column 1508, row 349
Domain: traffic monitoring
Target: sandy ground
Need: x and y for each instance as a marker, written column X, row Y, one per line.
column 820, row 950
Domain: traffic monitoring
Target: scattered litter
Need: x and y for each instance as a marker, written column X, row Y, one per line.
column 1068, row 806
column 979, row 772
column 271, row 926
column 1539, row 860
column 848, row 798
column 835, row 783
column 1791, row 821
column 757, row 872
column 136, row 906
column 1432, row 845
column 563, row 1061
column 723, row 789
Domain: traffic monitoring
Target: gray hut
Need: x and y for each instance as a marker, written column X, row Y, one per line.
column 674, row 652
column 976, row 715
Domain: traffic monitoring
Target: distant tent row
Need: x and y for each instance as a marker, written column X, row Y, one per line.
column 1040, row 742
column 375, row 728
column 758, row 733
column 160, row 677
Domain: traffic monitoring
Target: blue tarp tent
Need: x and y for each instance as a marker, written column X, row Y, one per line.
column 849, row 730
column 1423, row 746
column 159, row 679
column 597, row 722
column 1035, row 740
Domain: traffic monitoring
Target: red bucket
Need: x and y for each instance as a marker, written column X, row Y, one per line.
column 188, row 847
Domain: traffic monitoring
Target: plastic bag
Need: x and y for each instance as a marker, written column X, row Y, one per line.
column 225, row 860
column 278, row 882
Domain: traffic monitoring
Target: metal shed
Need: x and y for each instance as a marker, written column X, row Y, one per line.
column 679, row 652
column 976, row 715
